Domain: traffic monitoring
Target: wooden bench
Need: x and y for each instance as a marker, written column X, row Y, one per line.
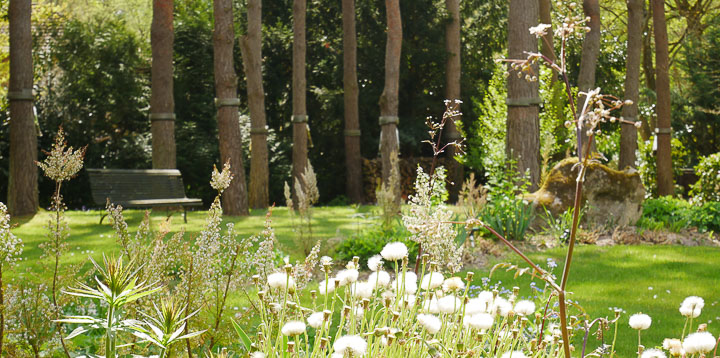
column 140, row 188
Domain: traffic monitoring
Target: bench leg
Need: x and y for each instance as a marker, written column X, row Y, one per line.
column 102, row 217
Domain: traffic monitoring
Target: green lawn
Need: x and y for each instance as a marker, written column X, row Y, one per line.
column 651, row 279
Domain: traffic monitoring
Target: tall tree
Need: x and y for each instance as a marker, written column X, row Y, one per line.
column 452, row 87
column 23, row 181
column 522, row 142
column 251, row 47
column 235, row 196
column 162, row 103
column 353, row 160
column 628, row 132
column 662, row 83
column 299, row 84
column 389, row 141
column 588, row 64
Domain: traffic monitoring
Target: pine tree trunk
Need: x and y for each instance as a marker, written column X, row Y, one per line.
column 588, row 64
column 251, row 47
column 162, row 104
column 662, row 81
column 452, row 91
column 23, row 181
column 523, row 123
column 546, row 44
column 353, row 159
column 648, row 71
column 628, row 132
column 234, row 200
column 299, row 86
column 389, row 141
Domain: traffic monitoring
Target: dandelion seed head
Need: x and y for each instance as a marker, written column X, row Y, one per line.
column 379, row 279
column 347, row 276
column 316, row 320
column 375, row 263
column 525, row 308
column 432, row 281
column 449, row 304
column 514, row 354
column 293, row 328
column 453, row 284
column 692, row 306
column 479, row 321
column 350, row 345
column 640, row 321
column 326, row 287
column 653, row 353
column 394, row 251
column 362, row 290
column 500, row 307
column 699, row 342
column 280, row 280
column 431, row 306
column 674, row 346
column 430, row 322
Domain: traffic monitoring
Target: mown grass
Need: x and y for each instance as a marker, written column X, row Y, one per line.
column 651, row 279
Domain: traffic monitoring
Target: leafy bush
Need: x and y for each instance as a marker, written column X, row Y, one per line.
column 368, row 243
column 707, row 188
column 665, row 213
column 506, row 211
column 559, row 227
column 706, row 217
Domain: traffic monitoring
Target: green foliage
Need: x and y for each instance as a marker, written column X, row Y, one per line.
column 665, row 213
column 506, row 211
column 369, row 242
column 559, row 226
column 647, row 168
column 707, row 188
column 706, row 217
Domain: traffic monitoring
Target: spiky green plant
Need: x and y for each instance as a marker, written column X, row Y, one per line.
column 166, row 327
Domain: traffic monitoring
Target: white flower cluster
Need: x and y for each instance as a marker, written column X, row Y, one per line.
column 62, row 164
column 10, row 245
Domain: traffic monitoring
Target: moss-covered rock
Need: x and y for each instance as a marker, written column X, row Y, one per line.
column 612, row 196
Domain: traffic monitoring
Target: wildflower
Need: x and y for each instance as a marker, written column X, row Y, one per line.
column 692, row 306
column 540, row 30
column 379, row 279
column 362, row 290
column 640, row 321
column 653, row 353
column 221, row 180
column 375, row 263
column 394, row 251
column 479, row 321
column 358, row 312
column 432, row 281
column 354, row 346
column 61, row 164
column 257, row 354
column 453, row 284
column 699, row 342
column 293, row 328
column 431, row 323
column 525, row 308
column 10, row 245
column 280, row 280
column 316, row 320
column 486, row 297
column 409, row 300
column 410, row 282
column 475, row 306
column 326, row 260
column 449, row 304
column 326, row 287
column 674, row 346
column 347, row 276
column 514, row 354
column 431, row 305
column 500, row 307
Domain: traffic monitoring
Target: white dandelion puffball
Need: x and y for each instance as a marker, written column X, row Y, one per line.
column 316, row 320
column 653, row 353
column 485, row 297
column 514, row 354
column 350, row 345
column 640, row 321
column 257, row 354
column 449, row 304
column 347, row 276
column 525, row 308
column 432, row 281
column 410, row 282
column 388, row 295
column 692, row 306
column 501, row 307
column 394, row 251
column 362, row 290
column 475, row 306
column 375, row 263
column 280, row 280
column 699, row 342
column 431, row 306
column 431, row 323
column 326, row 287
column 293, row 328
column 379, row 279
column 674, row 346
column 409, row 300
column 453, row 284
column 480, row 321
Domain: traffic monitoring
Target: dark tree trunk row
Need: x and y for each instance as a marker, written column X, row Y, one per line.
column 664, row 161
column 628, row 132
column 353, row 159
column 162, row 104
column 299, row 85
column 389, row 141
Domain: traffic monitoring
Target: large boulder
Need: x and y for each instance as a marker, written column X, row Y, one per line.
column 611, row 197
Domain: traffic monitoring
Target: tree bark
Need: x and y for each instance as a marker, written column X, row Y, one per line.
column 588, row 64
column 162, row 103
column 234, row 200
column 299, row 86
column 23, row 181
column 648, row 71
column 547, row 43
column 628, row 132
column 452, row 90
column 662, row 81
column 522, row 141
column 251, row 47
column 353, row 159
column 389, row 141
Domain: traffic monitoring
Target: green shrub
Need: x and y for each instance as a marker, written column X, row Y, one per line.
column 707, row 188
column 665, row 213
column 506, row 211
column 706, row 217
column 369, row 242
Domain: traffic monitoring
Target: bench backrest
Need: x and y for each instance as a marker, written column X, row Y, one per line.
column 121, row 185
